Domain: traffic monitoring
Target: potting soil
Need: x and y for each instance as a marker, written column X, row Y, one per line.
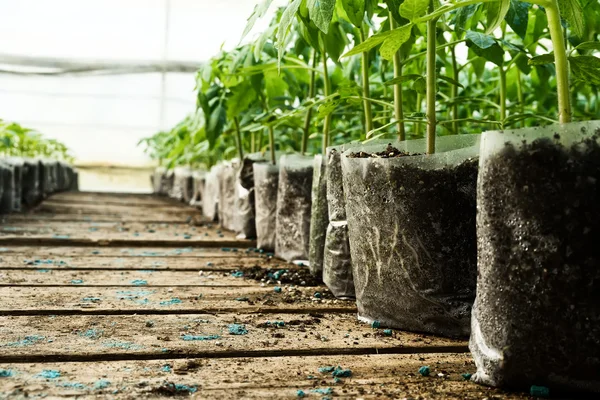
column 536, row 319
column 411, row 224
column 266, row 181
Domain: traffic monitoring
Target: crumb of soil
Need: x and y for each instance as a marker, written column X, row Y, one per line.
column 389, row 152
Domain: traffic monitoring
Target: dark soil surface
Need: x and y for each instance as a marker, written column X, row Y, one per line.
column 389, row 152
column 539, row 282
column 301, row 277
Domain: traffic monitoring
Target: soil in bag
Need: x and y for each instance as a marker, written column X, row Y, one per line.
column 319, row 217
column 411, row 222
column 337, row 265
column 210, row 199
column 7, row 200
column 266, row 182
column 199, row 178
column 31, row 182
column 536, row 319
column 245, row 200
column 227, row 182
column 17, row 165
column 294, row 207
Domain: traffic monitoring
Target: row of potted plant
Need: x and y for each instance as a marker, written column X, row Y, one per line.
column 32, row 167
column 416, row 229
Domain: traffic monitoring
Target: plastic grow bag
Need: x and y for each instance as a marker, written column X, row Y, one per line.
column 8, row 183
column 337, row 264
column 210, row 199
column 199, row 178
column 319, row 218
column 17, row 166
column 411, row 224
column 245, row 197
column 294, row 207
column 31, row 193
column 536, row 318
column 183, row 184
column 266, row 181
column 227, row 196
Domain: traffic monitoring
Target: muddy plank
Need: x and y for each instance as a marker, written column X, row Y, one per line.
column 103, row 209
column 79, row 338
column 25, row 300
column 120, row 240
column 175, row 252
column 385, row 376
column 115, row 278
column 148, row 218
column 209, row 261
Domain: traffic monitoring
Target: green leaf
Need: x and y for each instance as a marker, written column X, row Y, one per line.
column 517, row 17
column 335, row 41
column 572, row 12
column 260, row 42
column 450, row 81
column 259, row 11
column 462, row 16
column 321, row 13
column 402, row 79
column 368, row 44
column 275, row 85
column 241, row 98
column 493, row 54
column 420, row 85
column 588, row 46
column 284, row 26
column 585, row 69
column 327, row 108
column 496, row 11
column 481, row 40
column 394, row 7
column 541, row 60
column 392, row 43
column 216, row 123
column 413, row 9
column 355, row 10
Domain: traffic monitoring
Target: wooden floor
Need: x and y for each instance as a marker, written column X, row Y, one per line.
column 132, row 296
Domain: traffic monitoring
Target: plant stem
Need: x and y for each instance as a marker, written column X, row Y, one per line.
column 327, row 92
column 454, row 90
column 272, row 144
column 520, row 95
column 431, row 81
column 560, row 61
column 366, row 90
column 252, row 142
column 308, row 116
column 238, row 136
column 502, row 96
column 418, row 109
column 398, row 111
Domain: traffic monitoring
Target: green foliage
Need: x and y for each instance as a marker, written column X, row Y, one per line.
column 493, row 64
column 16, row 140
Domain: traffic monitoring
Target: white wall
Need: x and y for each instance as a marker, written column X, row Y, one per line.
column 102, row 118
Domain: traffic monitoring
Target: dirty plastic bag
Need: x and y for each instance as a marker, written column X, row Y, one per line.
column 18, row 165
column 319, row 218
column 227, row 183
column 183, row 184
column 210, row 198
column 245, row 198
column 294, row 207
column 411, row 224
column 199, row 178
column 31, row 193
column 337, row 264
column 536, row 318
column 266, row 182
column 8, row 183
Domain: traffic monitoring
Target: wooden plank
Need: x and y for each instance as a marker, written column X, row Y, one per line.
column 103, row 337
column 138, row 253
column 383, row 376
column 115, row 278
column 140, row 201
column 91, row 209
column 101, row 241
column 163, row 218
column 209, row 261
column 24, row 300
